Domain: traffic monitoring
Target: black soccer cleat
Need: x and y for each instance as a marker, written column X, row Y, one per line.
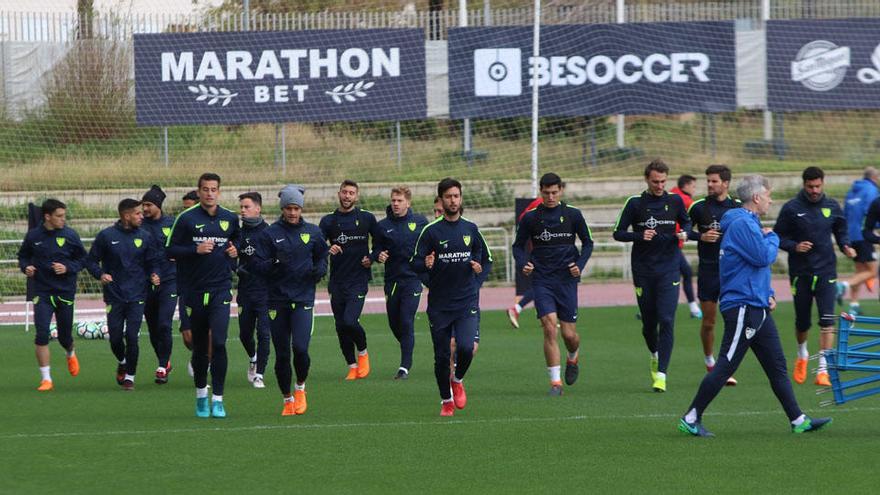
column 571, row 372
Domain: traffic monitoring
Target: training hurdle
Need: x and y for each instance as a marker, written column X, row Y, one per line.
column 857, row 354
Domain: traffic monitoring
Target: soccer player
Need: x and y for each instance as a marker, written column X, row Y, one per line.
column 520, row 301
column 348, row 229
column 705, row 215
column 805, row 225
column 51, row 255
column 555, row 266
column 161, row 299
column 292, row 255
column 188, row 201
column 747, row 252
column 653, row 216
column 253, row 312
column 393, row 246
column 687, row 185
column 438, row 207
column 125, row 259
column 447, row 250
column 202, row 241
column 858, row 199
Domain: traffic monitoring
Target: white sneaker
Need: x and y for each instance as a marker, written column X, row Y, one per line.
column 252, row 371
column 258, row 382
column 189, row 368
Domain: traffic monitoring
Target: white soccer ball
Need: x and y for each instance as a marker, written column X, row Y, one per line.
column 53, row 331
column 89, row 330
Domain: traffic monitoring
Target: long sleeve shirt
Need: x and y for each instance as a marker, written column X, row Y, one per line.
column 351, row 231
column 803, row 220
column 292, row 258
column 160, row 230
column 705, row 215
column 203, row 272
column 552, row 232
column 42, row 247
column 398, row 236
column 250, row 284
column 130, row 256
column 658, row 213
column 452, row 282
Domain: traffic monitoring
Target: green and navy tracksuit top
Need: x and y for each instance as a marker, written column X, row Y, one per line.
column 803, row 220
column 351, row 231
column 453, row 283
column 552, row 232
column 646, row 211
column 160, row 230
column 292, row 258
column 398, row 236
column 130, row 256
column 42, row 247
column 250, row 284
column 705, row 215
column 203, row 272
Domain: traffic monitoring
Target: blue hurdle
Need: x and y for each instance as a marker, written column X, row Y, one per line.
column 858, row 350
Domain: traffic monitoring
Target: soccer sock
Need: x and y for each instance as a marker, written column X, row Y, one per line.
column 44, row 373
column 694, row 306
column 456, row 379
column 823, row 364
column 403, row 370
column 362, row 353
column 518, row 308
column 259, row 375
column 353, row 365
column 288, row 399
column 710, row 360
column 202, row 393
column 299, row 386
column 803, row 353
column 444, row 401
column 216, row 398
column 662, row 375
column 122, row 362
column 799, row 420
column 654, row 355
column 691, row 416
column 573, row 356
column 129, row 377
column 161, row 369
column 71, row 353
column 254, row 358
column 554, row 373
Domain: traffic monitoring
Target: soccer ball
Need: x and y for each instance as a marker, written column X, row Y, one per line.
column 53, row 331
column 90, row 330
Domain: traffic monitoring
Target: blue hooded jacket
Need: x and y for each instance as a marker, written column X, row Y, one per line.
column 292, row 258
column 858, row 199
column 398, row 236
column 130, row 256
column 42, row 247
column 745, row 259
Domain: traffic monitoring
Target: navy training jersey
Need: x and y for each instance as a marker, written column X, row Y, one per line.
column 203, row 272
column 42, row 247
column 398, row 236
column 351, row 231
column 130, row 256
column 452, row 282
column 552, row 232
column 644, row 212
column 802, row 220
column 160, row 230
column 705, row 215
column 292, row 258
column 250, row 284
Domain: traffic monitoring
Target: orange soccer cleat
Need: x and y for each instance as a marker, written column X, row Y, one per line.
column 352, row 374
column 822, row 379
column 447, row 408
column 299, row 402
column 363, row 369
column 45, row 386
column 800, row 370
column 73, row 365
column 459, row 397
column 289, row 409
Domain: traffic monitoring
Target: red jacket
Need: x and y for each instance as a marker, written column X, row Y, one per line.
column 688, row 201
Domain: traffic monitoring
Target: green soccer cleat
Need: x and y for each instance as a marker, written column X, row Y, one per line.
column 655, row 365
column 659, row 384
column 696, row 429
column 810, row 425
column 202, row 408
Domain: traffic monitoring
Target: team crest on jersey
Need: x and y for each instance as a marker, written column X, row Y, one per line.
column 826, row 212
column 166, row 231
column 138, row 242
column 638, row 292
column 272, row 313
column 305, row 238
column 412, row 226
column 224, row 224
column 60, row 241
column 467, row 240
column 561, row 219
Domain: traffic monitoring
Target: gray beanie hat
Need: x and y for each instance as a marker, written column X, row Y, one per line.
column 292, row 195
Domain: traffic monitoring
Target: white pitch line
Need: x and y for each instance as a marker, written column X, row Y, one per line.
column 319, row 426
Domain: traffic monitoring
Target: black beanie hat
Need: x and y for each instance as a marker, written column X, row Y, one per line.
column 155, row 195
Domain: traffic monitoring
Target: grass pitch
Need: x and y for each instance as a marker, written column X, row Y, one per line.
column 608, row 434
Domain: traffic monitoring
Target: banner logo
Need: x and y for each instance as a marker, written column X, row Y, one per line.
column 869, row 75
column 820, row 65
column 498, row 72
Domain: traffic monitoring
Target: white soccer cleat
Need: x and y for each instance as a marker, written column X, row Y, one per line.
column 252, row 371
column 258, row 382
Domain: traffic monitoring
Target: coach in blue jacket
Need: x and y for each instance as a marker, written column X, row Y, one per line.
column 747, row 251
column 125, row 259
